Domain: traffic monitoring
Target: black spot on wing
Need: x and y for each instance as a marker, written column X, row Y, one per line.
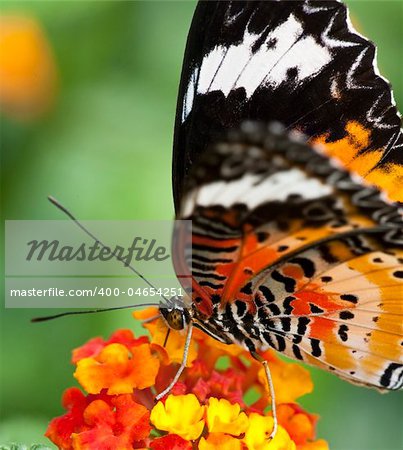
column 247, row 289
column 280, row 343
column 297, row 352
column 343, row 332
column 268, row 295
column 315, row 345
column 315, row 309
column 240, row 307
column 296, row 339
column 215, row 298
column 287, row 305
column 327, row 255
column 349, row 298
column 286, row 323
column 303, row 322
column 268, row 339
column 346, row 315
column 262, row 236
column 326, row 279
column 289, row 283
column 306, row 265
column 274, row 309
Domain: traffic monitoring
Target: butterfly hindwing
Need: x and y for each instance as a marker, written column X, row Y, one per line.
column 344, row 311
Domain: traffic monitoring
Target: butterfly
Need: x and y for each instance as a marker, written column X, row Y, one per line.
column 288, row 162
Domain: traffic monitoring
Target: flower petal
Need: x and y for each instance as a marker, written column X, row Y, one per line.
column 170, row 442
column 181, row 415
column 113, row 426
column 320, row 444
column 175, row 344
column 290, row 381
column 299, row 424
column 94, row 346
column 260, row 427
column 117, row 369
column 220, row 441
column 223, row 417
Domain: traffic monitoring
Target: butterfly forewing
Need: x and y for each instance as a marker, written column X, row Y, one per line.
column 299, row 63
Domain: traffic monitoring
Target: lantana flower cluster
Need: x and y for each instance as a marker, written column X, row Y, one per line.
column 220, row 402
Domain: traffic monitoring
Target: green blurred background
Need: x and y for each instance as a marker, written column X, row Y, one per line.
column 104, row 149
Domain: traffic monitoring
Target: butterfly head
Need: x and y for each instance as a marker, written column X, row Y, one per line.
column 175, row 313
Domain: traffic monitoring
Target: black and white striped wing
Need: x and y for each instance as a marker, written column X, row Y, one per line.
column 297, row 62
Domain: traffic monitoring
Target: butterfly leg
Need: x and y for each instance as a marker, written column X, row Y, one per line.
column 182, row 366
column 266, row 367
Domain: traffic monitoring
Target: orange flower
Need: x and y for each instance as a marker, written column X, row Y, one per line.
column 290, row 380
column 94, row 346
column 320, row 444
column 27, row 68
column 300, row 426
column 220, row 441
column 116, row 369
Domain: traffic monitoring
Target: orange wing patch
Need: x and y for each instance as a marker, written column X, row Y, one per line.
column 355, row 154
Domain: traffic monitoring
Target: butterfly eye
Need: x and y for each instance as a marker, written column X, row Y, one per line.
column 176, row 318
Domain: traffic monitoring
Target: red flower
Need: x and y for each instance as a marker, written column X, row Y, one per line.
column 117, row 425
column 170, row 442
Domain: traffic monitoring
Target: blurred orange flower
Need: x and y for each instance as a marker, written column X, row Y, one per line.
column 27, row 68
column 207, row 409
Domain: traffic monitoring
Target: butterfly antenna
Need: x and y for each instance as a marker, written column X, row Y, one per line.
column 89, row 311
column 80, row 225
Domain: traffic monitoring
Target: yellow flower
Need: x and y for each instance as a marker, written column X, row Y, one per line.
column 223, row 417
column 290, row 381
column 260, row 427
column 181, row 415
column 220, row 441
